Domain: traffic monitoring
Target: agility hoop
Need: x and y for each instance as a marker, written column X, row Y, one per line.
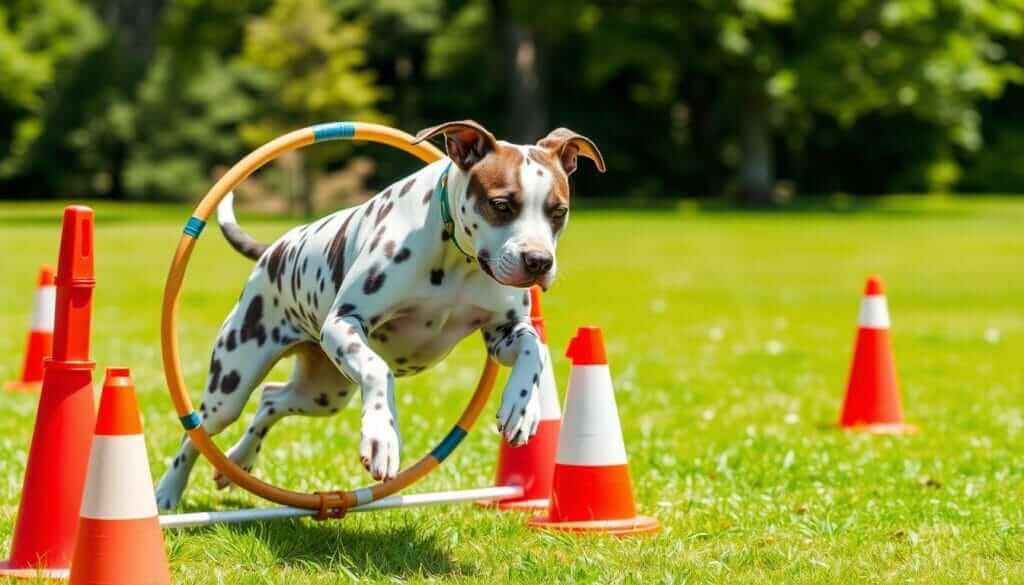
column 329, row 504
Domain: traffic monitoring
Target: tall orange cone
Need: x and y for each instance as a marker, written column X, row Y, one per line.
column 40, row 334
column 592, row 491
column 44, row 534
column 872, row 394
column 119, row 538
column 533, row 465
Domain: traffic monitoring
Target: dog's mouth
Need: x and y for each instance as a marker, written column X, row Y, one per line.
column 543, row 281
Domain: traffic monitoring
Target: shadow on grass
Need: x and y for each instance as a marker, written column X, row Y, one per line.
column 394, row 551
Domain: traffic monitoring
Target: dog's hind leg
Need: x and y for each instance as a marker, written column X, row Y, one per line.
column 316, row 388
column 249, row 344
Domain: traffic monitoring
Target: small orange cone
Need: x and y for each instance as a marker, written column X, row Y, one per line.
column 51, row 494
column 40, row 335
column 592, row 491
column 533, row 465
column 119, row 537
column 872, row 394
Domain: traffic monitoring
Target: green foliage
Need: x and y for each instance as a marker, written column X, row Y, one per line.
column 38, row 39
column 685, row 97
column 308, row 65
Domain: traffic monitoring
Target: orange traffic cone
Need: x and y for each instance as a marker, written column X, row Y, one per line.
column 592, row 491
column 872, row 394
column 51, row 495
column 40, row 334
column 119, row 537
column 533, row 465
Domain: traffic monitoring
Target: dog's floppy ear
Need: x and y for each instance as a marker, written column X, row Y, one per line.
column 466, row 141
column 566, row 145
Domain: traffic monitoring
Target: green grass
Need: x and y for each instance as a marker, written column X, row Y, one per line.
column 729, row 337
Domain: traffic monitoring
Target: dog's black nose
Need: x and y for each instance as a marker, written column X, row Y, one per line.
column 537, row 262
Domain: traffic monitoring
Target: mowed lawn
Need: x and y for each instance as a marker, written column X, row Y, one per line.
column 729, row 337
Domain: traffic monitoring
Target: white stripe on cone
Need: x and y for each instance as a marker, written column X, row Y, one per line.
column 549, row 409
column 118, row 484
column 874, row 312
column 43, row 308
column 590, row 431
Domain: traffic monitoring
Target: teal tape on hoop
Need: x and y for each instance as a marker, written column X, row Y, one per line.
column 334, row 131
column 194, row 226
column 450, row 442
column 190, row 421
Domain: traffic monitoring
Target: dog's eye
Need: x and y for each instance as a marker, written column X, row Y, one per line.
column 559, row 212
column 501, row 205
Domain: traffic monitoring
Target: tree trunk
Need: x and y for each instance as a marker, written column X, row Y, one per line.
column 757, row 153
column 520, row 54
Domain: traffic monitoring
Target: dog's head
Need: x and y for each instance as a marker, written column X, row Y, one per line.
column 516, row 200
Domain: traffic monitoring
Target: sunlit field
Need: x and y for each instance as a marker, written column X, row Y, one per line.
column 729, row 338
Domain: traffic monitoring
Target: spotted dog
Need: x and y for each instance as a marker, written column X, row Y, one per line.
column 386, row 289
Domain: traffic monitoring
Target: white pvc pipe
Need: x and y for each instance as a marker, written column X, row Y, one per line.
column 195, row 519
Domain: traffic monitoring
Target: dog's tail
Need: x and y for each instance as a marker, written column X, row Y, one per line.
column 242, row 242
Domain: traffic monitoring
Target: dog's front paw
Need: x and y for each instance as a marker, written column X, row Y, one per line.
column 168, row 492
column 519, row 415
column 379, row 446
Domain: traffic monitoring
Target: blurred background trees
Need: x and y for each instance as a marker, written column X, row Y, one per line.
column 755, row 100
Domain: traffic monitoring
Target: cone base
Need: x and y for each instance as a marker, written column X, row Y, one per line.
column 635, row 526
column 23, row 386
column 6, row 570
column 881, row 428
column 516, row 505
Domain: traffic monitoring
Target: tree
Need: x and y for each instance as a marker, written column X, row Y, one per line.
column 38, row 39
column 776, row 63
column 306, row 64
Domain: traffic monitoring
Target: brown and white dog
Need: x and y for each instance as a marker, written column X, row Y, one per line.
column 387, row 289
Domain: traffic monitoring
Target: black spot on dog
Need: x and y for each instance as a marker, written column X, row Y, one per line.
column 406, row 187
column 476, row 227
column 376, row 239
column 427, row 196
column 220, row 342
column 215, row 368
column 352, row 348
column 336, row 253
column 252, row 325
column 383, row 212
column 526, row 299
column 540, row 173
column 344, row 309
column 510, row 315
column 389, row 249
column 466, row 229
column 374, row 280
column 402, row 255
column 276, row 262
column 536, row 378
column 369, row 208
column 445, row 236
column 378, row 406
column 275, row 334
column 322, row 400
column 523, row 393
column 230, row 382
column 436, row 276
